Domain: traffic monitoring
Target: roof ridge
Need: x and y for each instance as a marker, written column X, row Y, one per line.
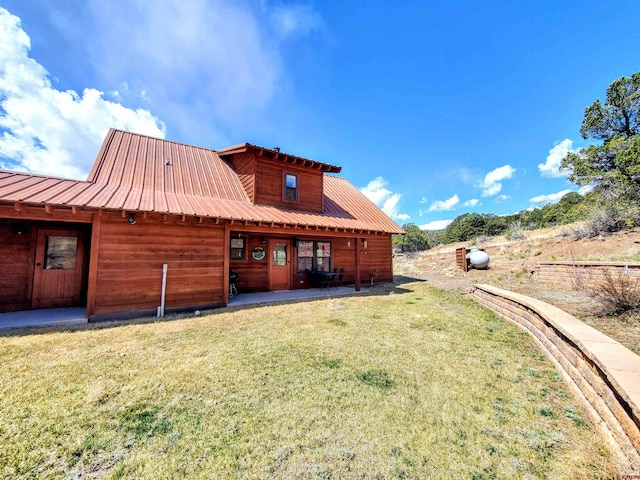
column 164, row 140
column 42, row 175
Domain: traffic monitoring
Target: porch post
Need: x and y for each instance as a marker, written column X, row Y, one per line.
column 225, row 262
column 357, row 253
column 92, row 280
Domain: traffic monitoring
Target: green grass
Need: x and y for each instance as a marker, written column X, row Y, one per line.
column 412, row 384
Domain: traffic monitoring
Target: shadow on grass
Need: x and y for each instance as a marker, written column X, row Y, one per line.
column 377, row 289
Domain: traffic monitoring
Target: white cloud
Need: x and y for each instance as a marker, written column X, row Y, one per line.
column 436, row 225
column 502, row 198
column 474, row 202
column 208, row 65
column 492, row 183
column 49, row 131
column 443, row 205
column 551, row 168
column 384, row 198
column 549, row 198
column 423, row 200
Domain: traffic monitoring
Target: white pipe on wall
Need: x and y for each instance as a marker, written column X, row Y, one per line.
column 164, row 290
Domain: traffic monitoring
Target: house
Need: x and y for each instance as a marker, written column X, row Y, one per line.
column 151, row 204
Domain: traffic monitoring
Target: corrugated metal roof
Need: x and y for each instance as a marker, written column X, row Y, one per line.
column 138, row 173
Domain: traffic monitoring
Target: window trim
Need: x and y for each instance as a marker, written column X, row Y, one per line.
column 286, row 174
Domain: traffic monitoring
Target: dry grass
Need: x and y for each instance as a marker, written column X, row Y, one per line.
column 418, row 383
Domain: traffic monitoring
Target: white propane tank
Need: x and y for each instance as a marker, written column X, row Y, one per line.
column 478, row 259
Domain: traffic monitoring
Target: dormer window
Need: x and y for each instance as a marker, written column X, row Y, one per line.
column 290, row 187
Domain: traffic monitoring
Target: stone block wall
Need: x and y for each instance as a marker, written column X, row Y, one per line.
column 585, row 274
column 604, row 374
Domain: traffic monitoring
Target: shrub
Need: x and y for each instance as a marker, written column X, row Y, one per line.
column 515, row 231
column 616, row 293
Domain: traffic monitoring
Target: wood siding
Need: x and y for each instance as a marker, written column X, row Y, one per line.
column 375, row 260
column 130, row 259
column 18, row 258
column 253, row 274
column 270, row 188
column 244, row 164
column 16, row 267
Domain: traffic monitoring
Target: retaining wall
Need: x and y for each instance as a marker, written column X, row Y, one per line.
column 604, row 374
column 585, row 273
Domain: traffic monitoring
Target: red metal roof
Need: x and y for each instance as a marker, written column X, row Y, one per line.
column 138, row 173
column 276, row 154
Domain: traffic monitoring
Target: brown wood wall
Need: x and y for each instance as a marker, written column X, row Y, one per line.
column 127, row 262
column 16, row 267
column 269, row 186
column 244, row 164
column 262, row 178
column 253, row 273
column 375, row 260
column 17, row 259
column 130, row 259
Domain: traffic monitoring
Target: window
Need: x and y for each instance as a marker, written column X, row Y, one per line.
column 280, row 255
column 323, row 256
column 305, row 255
column 237, row 248
column 314, row 256
column 60, row 253
column 290, row 187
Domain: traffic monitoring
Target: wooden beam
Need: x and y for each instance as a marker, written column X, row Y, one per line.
column 225, row 263
column 20, row 207
column 357, row 260
column 75, row 210
column 38, row 213
column 48, row 208
column 92, row 283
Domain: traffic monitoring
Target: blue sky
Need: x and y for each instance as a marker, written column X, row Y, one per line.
column 432, row 108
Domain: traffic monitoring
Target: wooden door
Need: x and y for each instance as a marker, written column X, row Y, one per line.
column 280, row 271
column 57, row 277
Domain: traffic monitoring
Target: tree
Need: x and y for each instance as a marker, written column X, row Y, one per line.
column 414, row 240
column 466, row 227
column 613, row 165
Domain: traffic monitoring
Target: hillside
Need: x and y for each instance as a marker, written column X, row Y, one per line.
column 512, row 264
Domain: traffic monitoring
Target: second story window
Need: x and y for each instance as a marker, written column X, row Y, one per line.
column 290, row 187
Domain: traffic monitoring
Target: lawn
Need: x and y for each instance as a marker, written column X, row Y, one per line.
column 411, row 383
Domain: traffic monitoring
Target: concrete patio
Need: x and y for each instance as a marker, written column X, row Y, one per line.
column 52, row 317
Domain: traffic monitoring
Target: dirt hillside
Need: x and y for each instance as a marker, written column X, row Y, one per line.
column 512, row 262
